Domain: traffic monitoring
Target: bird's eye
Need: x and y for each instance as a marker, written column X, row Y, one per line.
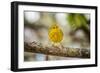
column 53, row 27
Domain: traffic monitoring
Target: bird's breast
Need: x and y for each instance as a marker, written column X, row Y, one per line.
column 56, row 35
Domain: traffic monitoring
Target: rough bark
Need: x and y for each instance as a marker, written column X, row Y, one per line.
column 56, row 51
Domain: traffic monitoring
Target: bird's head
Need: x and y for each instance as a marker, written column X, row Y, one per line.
column 54, row 26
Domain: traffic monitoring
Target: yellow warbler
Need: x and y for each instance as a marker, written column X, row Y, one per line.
column 55, row 34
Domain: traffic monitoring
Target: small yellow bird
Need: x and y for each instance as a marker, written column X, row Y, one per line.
column 55, row 34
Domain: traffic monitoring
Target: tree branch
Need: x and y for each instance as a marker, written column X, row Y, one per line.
column 56, row 51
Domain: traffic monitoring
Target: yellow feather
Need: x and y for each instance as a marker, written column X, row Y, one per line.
column 55, row 34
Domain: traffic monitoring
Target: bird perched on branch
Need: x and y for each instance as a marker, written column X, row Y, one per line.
column 55, row 34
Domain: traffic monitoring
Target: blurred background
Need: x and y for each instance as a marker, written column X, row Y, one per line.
column 75, row 27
